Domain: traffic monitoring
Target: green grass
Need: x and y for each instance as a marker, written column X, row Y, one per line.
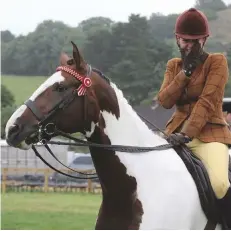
column 41, row 211
column 22, row 86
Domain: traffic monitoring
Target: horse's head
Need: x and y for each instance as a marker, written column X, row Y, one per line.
column 71, row 99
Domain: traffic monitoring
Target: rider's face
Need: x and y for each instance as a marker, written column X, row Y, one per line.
column 186, row 44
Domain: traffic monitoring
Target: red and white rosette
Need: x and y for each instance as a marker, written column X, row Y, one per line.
column 86, row 81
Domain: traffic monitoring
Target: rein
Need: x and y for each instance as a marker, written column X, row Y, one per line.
column 119, row 148
column 50, row 130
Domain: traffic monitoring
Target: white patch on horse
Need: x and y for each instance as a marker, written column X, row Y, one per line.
column 23, row 145
column 55, row 78
column 89, row 133
column 13, row 118
column 164, row 186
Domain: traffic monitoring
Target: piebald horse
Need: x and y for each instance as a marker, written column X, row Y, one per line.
column 147, row 190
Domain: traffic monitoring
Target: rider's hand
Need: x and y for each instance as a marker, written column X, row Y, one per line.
column 192, row 60
column 178, row 138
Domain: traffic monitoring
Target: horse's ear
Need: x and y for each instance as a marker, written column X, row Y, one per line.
column 63, row 59
column 77, row 56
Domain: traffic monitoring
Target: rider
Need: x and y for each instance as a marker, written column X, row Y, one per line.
column 195, row 84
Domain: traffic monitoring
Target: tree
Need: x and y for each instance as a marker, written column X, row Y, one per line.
column 38, row 52
column 210, row 7
column 7, row 108
column 228, row 86
column 94, row 24
column 7, row 98
column 162, row 26
column 215, row 5
column 229, row 56
column 98, row 50
column 6, row 36
column 140, row 64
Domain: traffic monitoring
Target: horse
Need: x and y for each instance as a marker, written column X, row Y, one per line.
column 141, row 190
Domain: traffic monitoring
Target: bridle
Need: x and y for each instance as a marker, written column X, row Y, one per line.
column 48, row 130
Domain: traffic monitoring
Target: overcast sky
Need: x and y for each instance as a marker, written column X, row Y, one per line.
column 22, row 16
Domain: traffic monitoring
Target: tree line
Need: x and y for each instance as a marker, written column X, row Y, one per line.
column 133, row 54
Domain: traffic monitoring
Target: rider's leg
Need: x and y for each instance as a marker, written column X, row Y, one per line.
column 215, row 157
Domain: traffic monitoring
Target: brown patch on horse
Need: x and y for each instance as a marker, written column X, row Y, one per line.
column 91, row 109
column 137, row 217
column 100, row 97
column 102, row 123
column 120, row 208
column 106, row 95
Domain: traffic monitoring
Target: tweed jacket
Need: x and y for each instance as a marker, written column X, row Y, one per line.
column 198, row 99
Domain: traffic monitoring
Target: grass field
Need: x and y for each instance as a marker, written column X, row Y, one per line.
column 49, row 211
column 22, row 86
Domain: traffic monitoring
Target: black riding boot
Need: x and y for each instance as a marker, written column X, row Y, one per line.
column 225, row 207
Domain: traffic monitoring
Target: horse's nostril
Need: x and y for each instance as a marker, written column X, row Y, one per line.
column 13, row 129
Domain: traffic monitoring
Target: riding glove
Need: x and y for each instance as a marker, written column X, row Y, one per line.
column 192, row 60
column 178, row 138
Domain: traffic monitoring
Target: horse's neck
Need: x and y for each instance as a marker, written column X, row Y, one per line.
column 128, row 129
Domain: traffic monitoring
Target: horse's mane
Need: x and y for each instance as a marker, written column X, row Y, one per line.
column 101, row 75
column 107, row 79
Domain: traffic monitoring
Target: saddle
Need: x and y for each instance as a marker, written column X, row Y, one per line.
column 207, row 196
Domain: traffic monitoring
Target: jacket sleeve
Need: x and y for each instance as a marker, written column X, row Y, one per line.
column 172, row 86
column 212, row 95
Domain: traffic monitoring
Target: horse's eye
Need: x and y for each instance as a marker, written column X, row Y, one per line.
column 60, row 88
column 70, row 62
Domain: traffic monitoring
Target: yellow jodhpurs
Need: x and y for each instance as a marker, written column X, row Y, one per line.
column 215, row 157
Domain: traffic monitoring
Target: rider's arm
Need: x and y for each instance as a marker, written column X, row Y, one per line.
column 212, row 95
column 172, row 86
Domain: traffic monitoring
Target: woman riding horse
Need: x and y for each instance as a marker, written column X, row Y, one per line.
column 195, row 84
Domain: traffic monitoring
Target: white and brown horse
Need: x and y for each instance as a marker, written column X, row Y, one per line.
column 151, row 190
